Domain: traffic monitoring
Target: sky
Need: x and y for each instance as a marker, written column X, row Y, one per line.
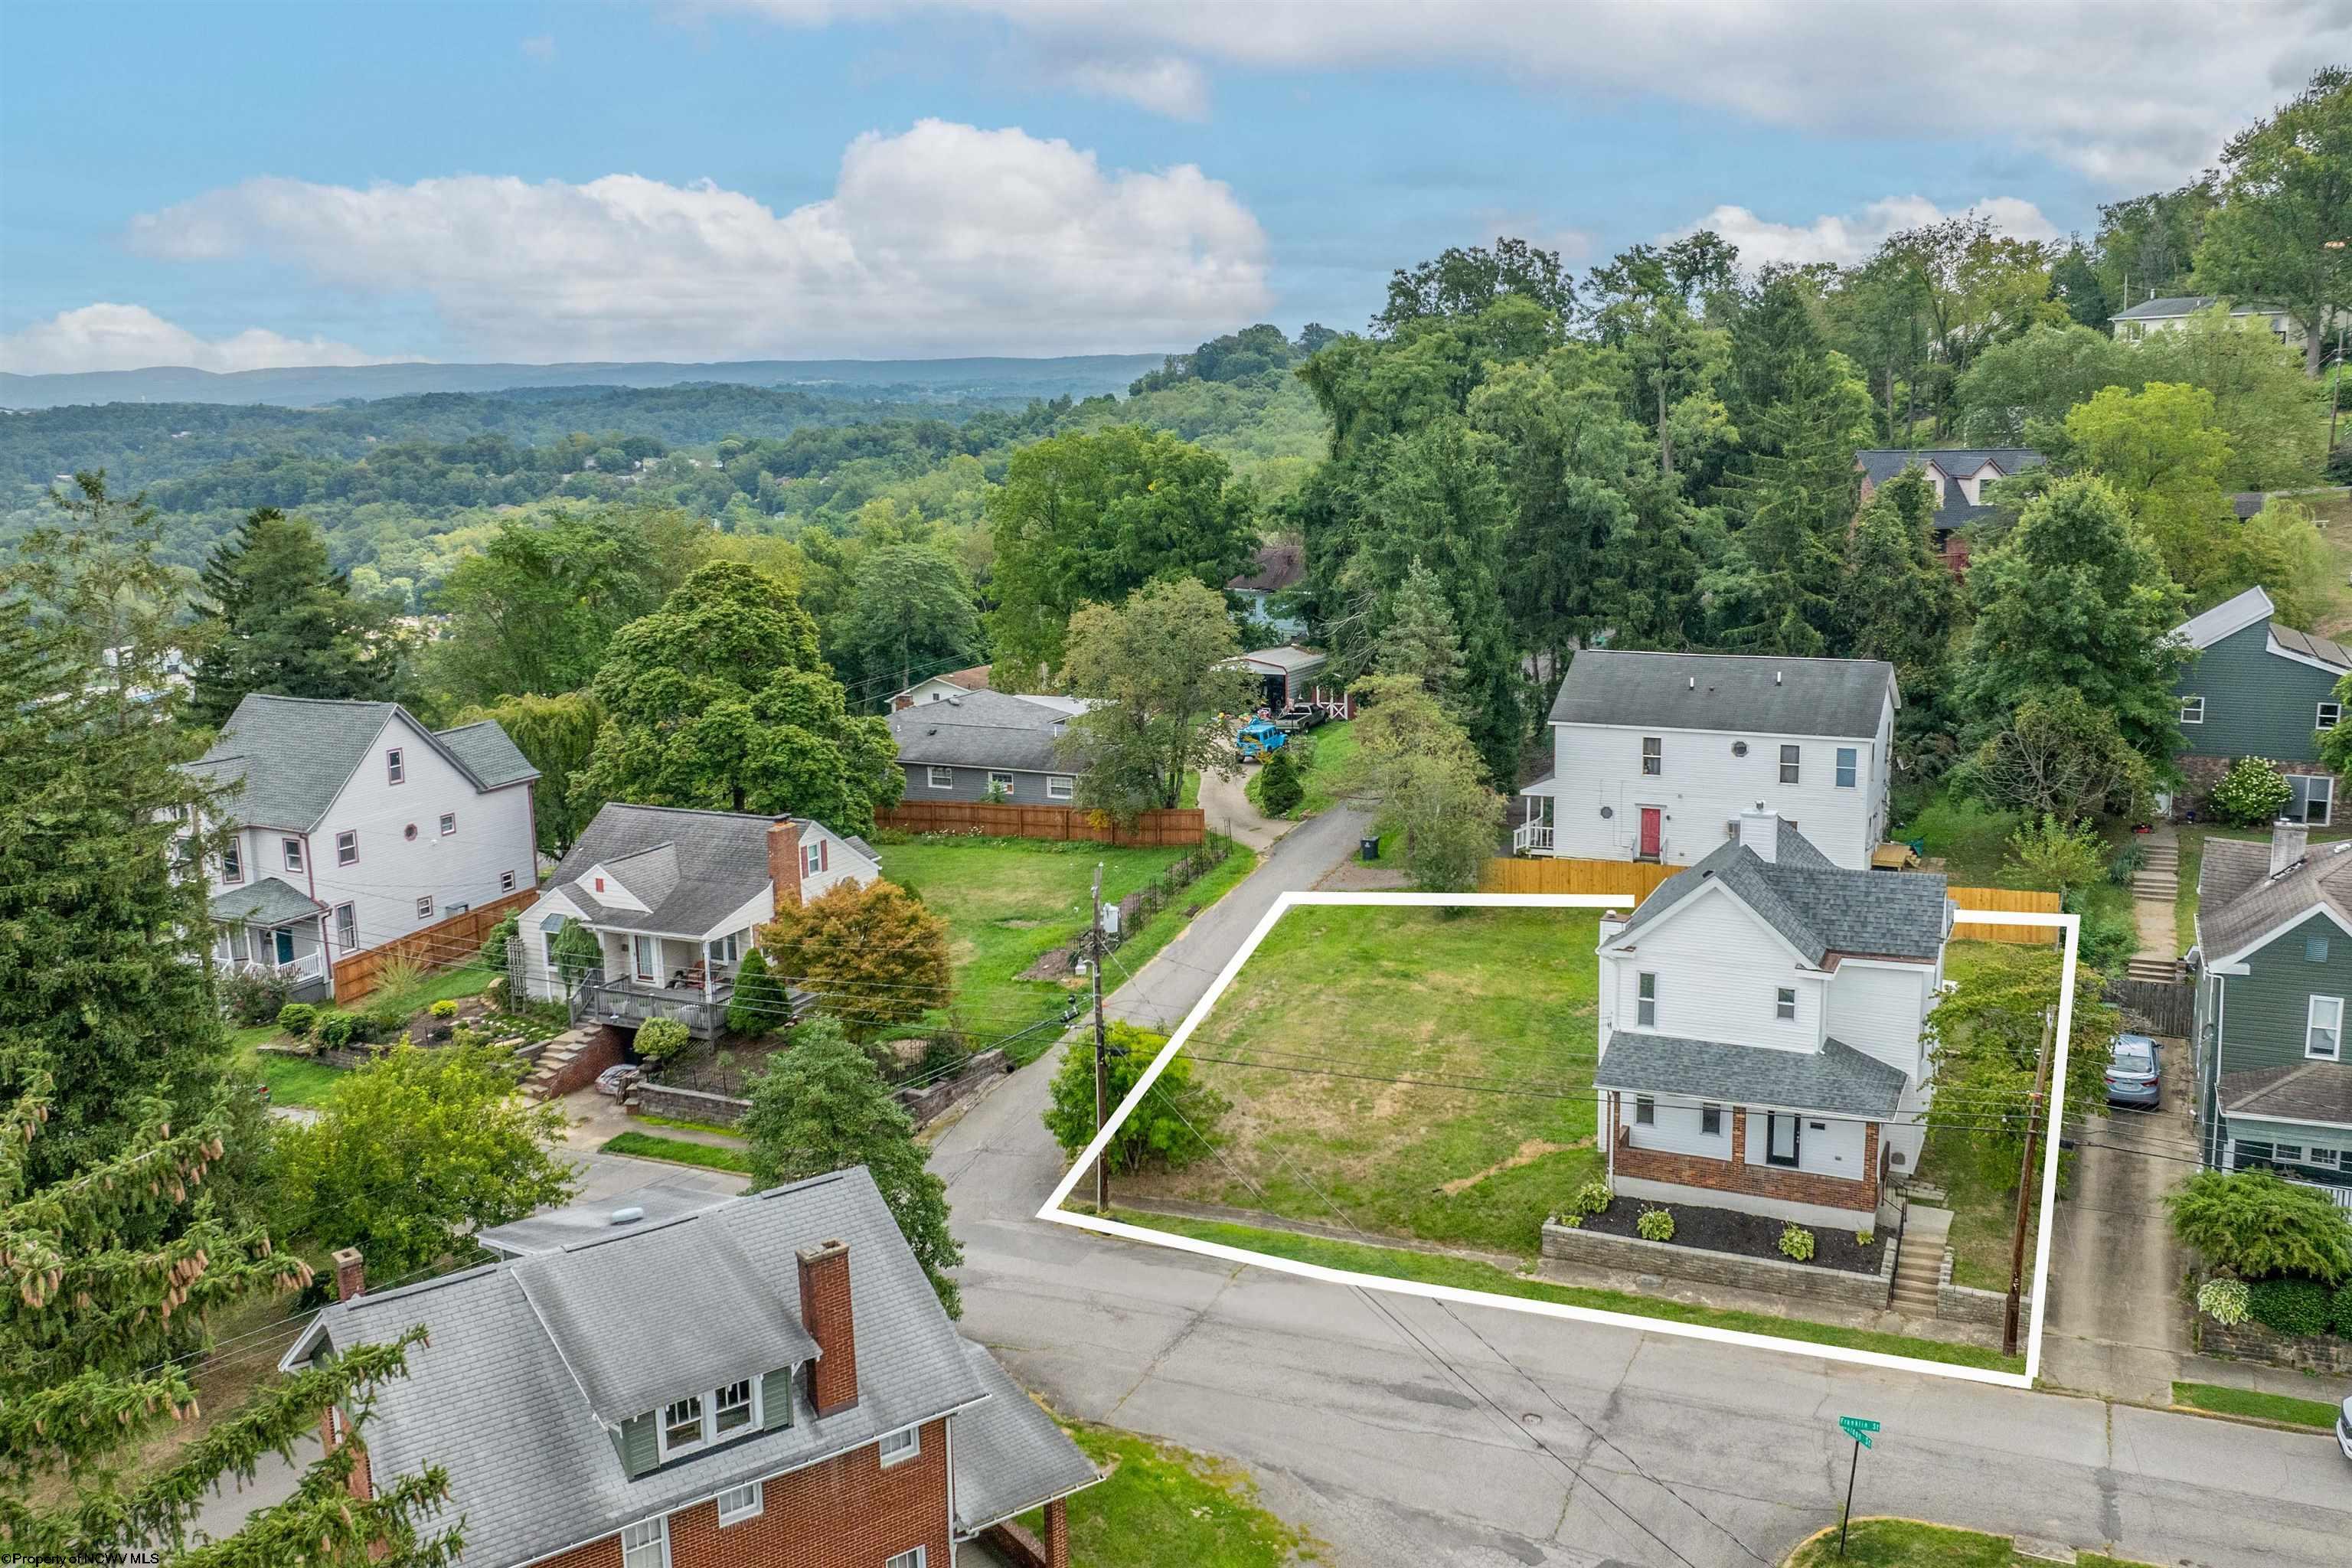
column 237, row 186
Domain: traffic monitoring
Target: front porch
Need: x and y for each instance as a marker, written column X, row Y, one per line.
column 272, row 930
column 645, row 977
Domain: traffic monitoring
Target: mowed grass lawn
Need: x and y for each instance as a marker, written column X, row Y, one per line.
column 1164, row 1507
column 1336, row 1005
column 1008, row 902
column 1907, row 1544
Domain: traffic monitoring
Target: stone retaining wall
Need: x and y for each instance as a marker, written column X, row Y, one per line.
column 2250, row 1341
column 652, row 1098
column 1778, row 1277
column 926, row 1103
column 1967, row 1304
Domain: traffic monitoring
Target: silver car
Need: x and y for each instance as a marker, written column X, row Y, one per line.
column 2343, row 1428
column 2135, row 1076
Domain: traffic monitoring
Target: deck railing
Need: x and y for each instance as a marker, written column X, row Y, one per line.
column 631, row 1005
column 1531, row 835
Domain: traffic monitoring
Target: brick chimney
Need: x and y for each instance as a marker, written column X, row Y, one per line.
column 784, row 861
column 350, row 1273
column 2288, row 843
column 825, row 1313
column 1760, row 829
column 334, row 1430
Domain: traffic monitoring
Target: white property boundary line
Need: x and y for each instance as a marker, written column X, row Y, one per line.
column 1053, row 1212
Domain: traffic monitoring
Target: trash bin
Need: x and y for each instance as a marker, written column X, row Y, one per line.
column 1370, row 848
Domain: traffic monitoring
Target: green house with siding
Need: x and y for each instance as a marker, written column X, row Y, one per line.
column 2258, row 689
column 2273, row 957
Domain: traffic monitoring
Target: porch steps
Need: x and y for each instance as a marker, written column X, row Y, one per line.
column 1919, row 1262
column 553, row 1057
column 2162, row 969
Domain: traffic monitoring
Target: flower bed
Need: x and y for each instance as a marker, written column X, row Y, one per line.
column 1746, row 1234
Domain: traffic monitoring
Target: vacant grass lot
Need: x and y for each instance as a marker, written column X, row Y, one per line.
column 1338, row 1004
column 1165, row 1507
column 1983, row 1211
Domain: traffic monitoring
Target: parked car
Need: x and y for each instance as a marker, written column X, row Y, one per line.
column 1258, row 737
column 2135, row 1076
column 2344, row 1428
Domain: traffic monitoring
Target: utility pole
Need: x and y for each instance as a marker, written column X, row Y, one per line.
column 1102, row 1066
column 2025, row 1190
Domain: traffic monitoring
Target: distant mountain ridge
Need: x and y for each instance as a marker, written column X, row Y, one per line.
column 1075, row 376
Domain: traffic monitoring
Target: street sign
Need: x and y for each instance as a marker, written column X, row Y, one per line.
column 1855, row 1427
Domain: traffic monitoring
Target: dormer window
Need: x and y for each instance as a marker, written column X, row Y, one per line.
column 395, row 769
column 731, row 1407
column 682, row 1426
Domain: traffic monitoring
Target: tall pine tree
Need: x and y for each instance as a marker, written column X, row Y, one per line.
column 274, row 617
column 1420, row 642
column 1896, row 600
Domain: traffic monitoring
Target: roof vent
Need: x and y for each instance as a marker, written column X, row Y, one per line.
column 629, row 1216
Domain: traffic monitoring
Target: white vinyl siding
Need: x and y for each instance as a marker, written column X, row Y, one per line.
column 1720, row 971
column 1877, row 1010
column 1825, row 1147
column 1680, row 1130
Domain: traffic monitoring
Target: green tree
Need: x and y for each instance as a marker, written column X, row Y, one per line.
column 718, row 699
column 1895, row 600
column 820, row 1107
column 2254, row 1226
column 2075, row 280
column 1650, row 308
column 2077, row 599
column 871, row 954
column 557, row 735
column 417, row 1151
column 1428, row 783
column 1157, row 668
column 760, row 1003
column 2263, row 403
column 113, row 1272
column 2279, row 549
column 2056, row 855
column 2159, row 449
column 273, row 617
column 1420, row 642
column 1986, row 1036
column 1092, row 517
column 1175, row 1124
column 2058, row 756
column 2285, row 192
column 1461, row 282
column 2146, row 246
column 96, row 573
column 2038, row 376
column 910, row 609
column 1279, row 791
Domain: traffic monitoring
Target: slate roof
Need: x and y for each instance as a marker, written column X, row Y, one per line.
column 271, row 901
column 2300, row 1091
column 690, row 868
column 1820, row 908
column 1742, row 693
column 493, row 1396
column 1880, row 464
column 286, row 758
column 2238, row 900
column 1837, row 1080
column 979, row 730
column 1010, row 1455
column 560, row 1229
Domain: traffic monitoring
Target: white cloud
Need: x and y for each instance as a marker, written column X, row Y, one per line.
column 539, row 46
column 1168, row 85
column 1846, row 238
column 2131, row 96
column 944, row 239
column 132, row 337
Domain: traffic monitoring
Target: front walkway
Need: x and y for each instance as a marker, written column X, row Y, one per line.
column 2156, row 889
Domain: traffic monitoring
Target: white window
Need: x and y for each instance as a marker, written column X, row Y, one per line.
column 424, row 908
column 734, row 1407
column 448, row 823
column 395, row 770
column 646, row 1544
column 293, row 847
column 1788, row 764
column 914, row 1557
column 1060, row 786
column 2323, row 1031
column 1001, row 782
column 648, row 960
column 1646, row 1006
column 1645, row 1112
column 725, row 949
column 232, row 862
column 506, row 882
column 2192, row 710
column 1710, row 1120
column 347, row 927
column 2311, row 798
column 1654, row 758
column 814, row 858
column 2291, row 1153
column 1784, row 1004
column 682, row 1426
column 2328, row 1159
column 737, row 1504
column 898, row 1447
column 347, row 848
column 2330, row 715
column 940, row 777
column 1848, row 767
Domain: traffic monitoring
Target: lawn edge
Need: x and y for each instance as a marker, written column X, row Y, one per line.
column 2322, row 1429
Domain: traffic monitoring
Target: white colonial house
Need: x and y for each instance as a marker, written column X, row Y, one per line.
column 1655, row 754
column 676, row 899
column 1761, row 1026
column 353, row 826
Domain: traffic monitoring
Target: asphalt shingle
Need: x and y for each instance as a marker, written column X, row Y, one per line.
column 695, row 867
column 2300, row 1091
column 271, row 901
column 283, row 760
column 1836, row 1080
column 1820, row 908
column 981, row 730
column 1742, row 693
column 2239, row 901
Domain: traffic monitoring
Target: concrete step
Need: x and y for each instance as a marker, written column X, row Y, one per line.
column 2149, row 884
column 2157, row 969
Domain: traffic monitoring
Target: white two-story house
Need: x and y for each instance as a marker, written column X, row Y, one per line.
column 1654, row 756
column 354, row 825
column 1762, row 1024
column 676, row 897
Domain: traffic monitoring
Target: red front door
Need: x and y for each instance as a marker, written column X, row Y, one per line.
column 1651, row 818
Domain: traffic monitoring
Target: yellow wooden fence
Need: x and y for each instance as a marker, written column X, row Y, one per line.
column 1635, row 880
column 2020, row 899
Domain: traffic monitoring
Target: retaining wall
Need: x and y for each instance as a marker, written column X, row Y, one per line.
column 2251, row 1341
column 651, row 1098
column 926, row 1103
column 1967, row 1304
column 1779, row 1277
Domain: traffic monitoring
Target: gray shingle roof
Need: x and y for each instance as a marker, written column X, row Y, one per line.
column 1820, row 908
column 1734, row 692
column 1010, row 1454
column 2300, row 1091
column 559, row 1229
column 2183, row 305
column 270, row 902
column 286, row 758
column 1880, row 464
column 2238, row 900
column 532, row 1471
column 692, row 869
column 979, row 730
column 1836, row 1080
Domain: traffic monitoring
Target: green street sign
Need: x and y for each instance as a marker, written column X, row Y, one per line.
column 1855, row 1427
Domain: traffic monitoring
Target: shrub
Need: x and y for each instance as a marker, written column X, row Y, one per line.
column 2110, row 935
column 443, row 1010
column 1591, row 1197
column 380, row 1025
column 1797, row 1242
column 2340, row 1313
column 253, row 996
column 661, row 1038
column 500, row 993
column 298, row 1019
column 759, row 1004
column 1866, row 1238
column 494, row 946
column 1279, row 789
column 400, row 974
column 2128, row 863
column 576, row 951
column 2254, row 1226
column 335, row 1030
column 2291, row 1306
column 872, row 955
column 1175, row 1125
column 2252, row 793
column 1570, row 1220
column 2226, row 1302
column 1656, row 1224
column 2058, row 856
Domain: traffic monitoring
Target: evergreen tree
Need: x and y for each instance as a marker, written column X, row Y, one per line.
column 95, row 575
column 273, row 617
column 1895, row 599
column 1776, row 591
column 1420, row 642
column 1646, row 595
column 820, row 1107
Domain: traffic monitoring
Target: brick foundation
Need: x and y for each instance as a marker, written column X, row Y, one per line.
column 603, row 1049
column 1737, row 1175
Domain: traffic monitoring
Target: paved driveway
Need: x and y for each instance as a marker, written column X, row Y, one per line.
column 2116, row 1325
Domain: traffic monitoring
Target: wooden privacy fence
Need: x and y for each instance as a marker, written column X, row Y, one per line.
column 441, row 946
column 1635, row 880
column 2167, row 1005
column 2020, row 899
column 1175, row 825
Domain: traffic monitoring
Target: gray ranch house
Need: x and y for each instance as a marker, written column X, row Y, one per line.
column 965, row 745
column 2258, row 689
column 2274, row 961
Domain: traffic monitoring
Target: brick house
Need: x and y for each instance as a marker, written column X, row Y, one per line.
column 766, row 1380
column 2258, row 689
column 1760, row 1023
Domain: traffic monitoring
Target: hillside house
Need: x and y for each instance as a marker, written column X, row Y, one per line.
column 1761, row 1026
column 968, row 745
column 2172, row 314
column 2258, row 689
column 1277, row 569
column 1959, row 476
column 1654, row 756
